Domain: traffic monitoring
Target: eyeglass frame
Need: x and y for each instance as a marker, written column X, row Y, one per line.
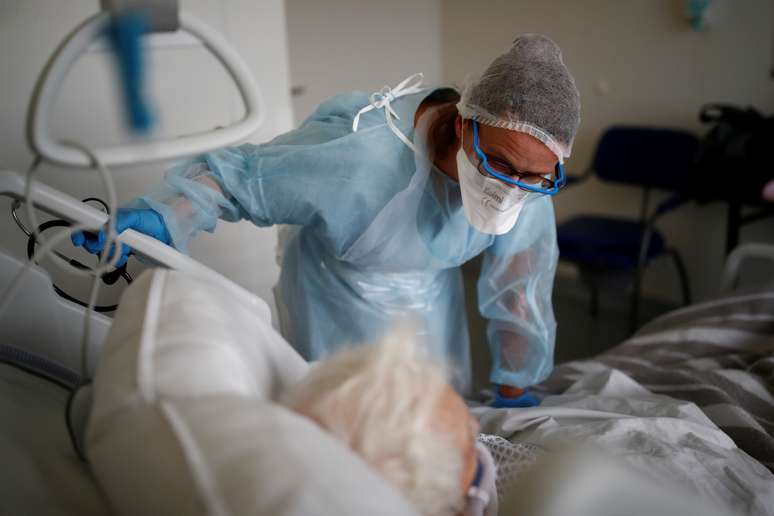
column 557, row 183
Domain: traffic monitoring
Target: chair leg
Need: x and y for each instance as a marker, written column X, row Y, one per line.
column 594, row 302
column 684, row 281
column 635, row 303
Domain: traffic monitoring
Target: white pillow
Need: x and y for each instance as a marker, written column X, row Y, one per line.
column 184, row 421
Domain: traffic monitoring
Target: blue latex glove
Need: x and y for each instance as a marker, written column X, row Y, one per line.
column 525, row 400
column 145, row 221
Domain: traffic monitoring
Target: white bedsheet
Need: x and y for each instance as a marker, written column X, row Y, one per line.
column 669, row 440
column 40, row 474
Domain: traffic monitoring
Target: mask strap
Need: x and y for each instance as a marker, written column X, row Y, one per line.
column 381, row 100
column 482, row 494
column 475, row 491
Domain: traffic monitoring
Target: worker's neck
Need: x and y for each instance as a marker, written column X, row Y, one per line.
column 437, row 123
column 447, row 162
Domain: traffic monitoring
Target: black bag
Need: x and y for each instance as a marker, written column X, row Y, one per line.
column 734, row 160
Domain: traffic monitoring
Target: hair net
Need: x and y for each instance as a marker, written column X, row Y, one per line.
column 527, row 89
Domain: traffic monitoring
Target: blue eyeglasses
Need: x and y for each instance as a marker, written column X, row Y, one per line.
column 506, row 173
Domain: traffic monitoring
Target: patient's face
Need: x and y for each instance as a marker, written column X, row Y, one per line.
column 453, row 419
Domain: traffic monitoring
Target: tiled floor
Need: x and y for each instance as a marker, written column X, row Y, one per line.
column 579, row 334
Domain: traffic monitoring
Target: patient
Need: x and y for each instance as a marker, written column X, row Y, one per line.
column 392, row 405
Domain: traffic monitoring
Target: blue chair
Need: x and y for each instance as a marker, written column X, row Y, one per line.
column 616, row 250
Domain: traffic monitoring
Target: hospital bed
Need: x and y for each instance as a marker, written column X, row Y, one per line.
column 182, row 416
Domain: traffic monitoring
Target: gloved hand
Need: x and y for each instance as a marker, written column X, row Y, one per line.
column 518, row 399
column 146, row 221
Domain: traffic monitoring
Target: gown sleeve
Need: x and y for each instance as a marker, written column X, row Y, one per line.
column 286, row 181
column 514, row 292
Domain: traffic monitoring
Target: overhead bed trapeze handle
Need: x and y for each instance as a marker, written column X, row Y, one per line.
column 52, row 77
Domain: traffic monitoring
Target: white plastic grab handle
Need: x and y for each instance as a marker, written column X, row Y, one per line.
column 52, row 77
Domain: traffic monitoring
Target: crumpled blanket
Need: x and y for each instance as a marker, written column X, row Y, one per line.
column 668, row 440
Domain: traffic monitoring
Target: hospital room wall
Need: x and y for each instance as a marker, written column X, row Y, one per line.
column 190, row 90
column 636, row 62
column 337, row 46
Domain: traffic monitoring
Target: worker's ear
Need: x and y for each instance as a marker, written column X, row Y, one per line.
column 458, row 126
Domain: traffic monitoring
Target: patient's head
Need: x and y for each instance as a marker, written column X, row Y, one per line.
column 393, row 406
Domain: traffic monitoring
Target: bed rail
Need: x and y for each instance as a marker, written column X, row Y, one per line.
column 734, row 261
column 61, row 205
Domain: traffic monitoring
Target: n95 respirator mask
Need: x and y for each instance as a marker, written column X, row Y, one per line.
column 490, row 205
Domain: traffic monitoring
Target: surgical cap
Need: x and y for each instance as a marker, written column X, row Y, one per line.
column 527, row 89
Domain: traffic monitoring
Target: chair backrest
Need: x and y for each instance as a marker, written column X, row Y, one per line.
column 646, row 156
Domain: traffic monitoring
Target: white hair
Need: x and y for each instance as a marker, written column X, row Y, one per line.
column 380, row 400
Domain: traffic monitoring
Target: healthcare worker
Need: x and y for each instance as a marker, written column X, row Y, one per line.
column 387, row 196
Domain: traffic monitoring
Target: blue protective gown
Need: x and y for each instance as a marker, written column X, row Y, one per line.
column 378, row 232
